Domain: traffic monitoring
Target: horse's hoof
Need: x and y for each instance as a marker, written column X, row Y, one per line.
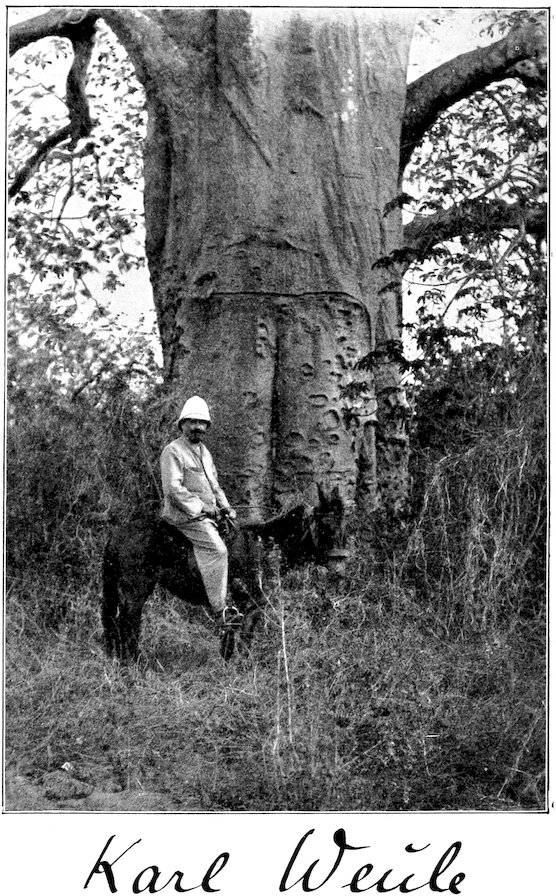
column 227, row 644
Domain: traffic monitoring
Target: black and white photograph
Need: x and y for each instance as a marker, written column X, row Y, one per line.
column 276, row 439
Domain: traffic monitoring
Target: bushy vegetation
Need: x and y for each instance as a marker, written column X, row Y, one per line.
column 414, row 683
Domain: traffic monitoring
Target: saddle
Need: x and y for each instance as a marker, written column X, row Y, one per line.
column 226, row 528
column 175, row 547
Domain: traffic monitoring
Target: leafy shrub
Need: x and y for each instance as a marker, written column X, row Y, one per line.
column 478, row 544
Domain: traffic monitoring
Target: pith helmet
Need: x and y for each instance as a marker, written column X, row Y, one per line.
column 195, row 408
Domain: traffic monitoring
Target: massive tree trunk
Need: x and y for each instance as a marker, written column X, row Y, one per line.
column 274, row 236
column 273, row 150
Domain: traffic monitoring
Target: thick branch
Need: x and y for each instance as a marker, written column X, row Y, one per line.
column 139, row 29
column 83, row 40
column 31, row 165
column 521, row 54
column 78, row 26
column 54, row 23
column 472, row 216
column 140, row 32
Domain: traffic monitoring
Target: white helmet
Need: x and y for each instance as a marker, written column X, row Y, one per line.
column 195, row 408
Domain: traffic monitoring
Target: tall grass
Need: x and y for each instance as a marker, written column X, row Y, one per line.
column 416, row 682
column 354, row 698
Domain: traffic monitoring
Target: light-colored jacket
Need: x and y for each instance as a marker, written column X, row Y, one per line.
column 189, row 483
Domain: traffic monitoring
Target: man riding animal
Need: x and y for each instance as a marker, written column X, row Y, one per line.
column 144, row 551
column 194, row 502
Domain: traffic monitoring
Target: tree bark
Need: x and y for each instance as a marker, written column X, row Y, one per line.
column 272, row 151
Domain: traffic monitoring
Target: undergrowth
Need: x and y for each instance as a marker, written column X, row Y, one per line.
column 352, row 699
column 416, row 682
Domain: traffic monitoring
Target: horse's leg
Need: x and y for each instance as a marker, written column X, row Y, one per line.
column 133, row 596
column 244, row 597
column 227, row 643
column 244, row 635
column 251, row 621
column 129, row 623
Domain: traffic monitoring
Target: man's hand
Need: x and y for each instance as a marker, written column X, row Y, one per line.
column 229, row 512
column 209, row 512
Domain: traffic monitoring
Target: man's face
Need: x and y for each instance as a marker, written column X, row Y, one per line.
column 194, row 430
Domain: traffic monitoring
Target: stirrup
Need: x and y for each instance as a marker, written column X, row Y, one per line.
column 231, row 617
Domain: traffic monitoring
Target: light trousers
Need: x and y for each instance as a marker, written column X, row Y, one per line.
column 211, row 556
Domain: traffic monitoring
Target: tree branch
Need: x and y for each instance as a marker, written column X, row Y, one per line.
column 54, row 23
column 78, row 26
column 520, row 54
column 31, row 165
column 83, row 41
column 472, row 216
column 139, row 30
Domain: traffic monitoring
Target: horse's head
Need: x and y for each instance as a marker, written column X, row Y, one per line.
column 306, row 531
column 329, row 528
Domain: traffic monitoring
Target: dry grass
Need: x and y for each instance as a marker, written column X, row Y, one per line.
column 353, row 699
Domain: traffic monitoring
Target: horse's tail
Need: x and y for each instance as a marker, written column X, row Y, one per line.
column 110, row 600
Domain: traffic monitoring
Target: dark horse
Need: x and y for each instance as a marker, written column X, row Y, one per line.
column 146, row 551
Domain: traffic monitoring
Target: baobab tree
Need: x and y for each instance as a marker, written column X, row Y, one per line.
column 277, row 140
